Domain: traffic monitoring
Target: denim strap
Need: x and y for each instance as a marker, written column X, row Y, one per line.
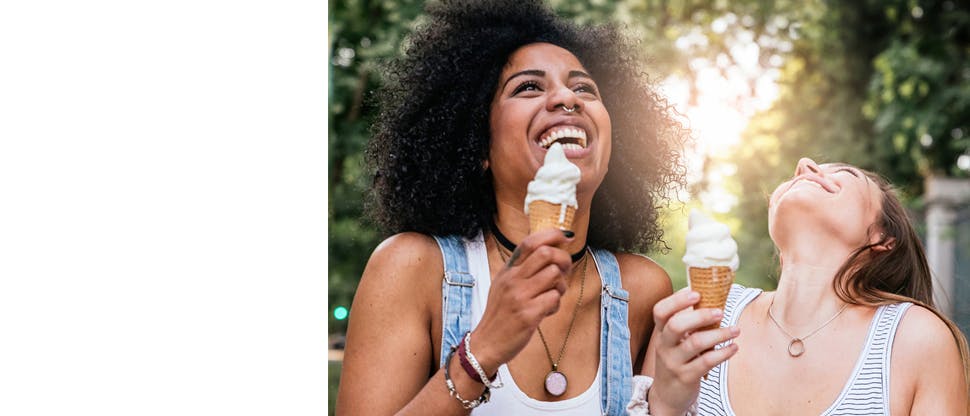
column 617, row 381
column 456, row 293
column 617, row 375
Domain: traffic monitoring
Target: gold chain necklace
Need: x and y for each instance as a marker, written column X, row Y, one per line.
column 797, row 345
column 556, row 382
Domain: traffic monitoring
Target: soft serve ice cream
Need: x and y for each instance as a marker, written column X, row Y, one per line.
column 709, row 243
column 711, row 259
column 551, row 199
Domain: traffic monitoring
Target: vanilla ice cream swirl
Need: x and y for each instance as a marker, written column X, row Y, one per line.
column 709, row 243
column 555, row 181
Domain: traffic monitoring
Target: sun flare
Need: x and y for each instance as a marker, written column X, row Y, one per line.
column 725, row 96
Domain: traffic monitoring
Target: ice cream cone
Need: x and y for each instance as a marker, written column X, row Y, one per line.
column 545, row 214
column 551, row 198
column 714, row 284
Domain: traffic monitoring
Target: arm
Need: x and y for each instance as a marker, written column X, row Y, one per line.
column 390, row 353
column 647, row 284
column 925, row 356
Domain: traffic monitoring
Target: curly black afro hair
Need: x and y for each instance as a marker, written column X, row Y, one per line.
column 432, row 133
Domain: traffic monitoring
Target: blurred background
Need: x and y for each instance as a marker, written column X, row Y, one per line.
column 881, row 84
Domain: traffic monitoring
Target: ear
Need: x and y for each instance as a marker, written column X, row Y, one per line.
column 881, row 243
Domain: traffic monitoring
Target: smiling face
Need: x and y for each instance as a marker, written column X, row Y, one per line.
column 836, row 199
column 537, row 88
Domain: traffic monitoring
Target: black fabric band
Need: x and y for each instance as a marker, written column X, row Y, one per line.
column 510, row 246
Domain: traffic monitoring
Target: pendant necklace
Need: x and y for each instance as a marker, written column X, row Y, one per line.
column 555, row 382
column 797, row 345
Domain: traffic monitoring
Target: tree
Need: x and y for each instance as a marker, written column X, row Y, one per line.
column 362, row 34
column 919, row 96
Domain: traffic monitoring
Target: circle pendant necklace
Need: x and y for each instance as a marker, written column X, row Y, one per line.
column 555, row 381
column 797, row 345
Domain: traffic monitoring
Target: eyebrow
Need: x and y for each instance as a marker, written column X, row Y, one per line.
column 541, row 73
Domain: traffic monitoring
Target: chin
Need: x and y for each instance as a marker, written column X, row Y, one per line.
column 817, row 221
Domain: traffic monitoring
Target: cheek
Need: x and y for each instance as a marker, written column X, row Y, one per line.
column 602, row 119
column 509, row 121
column 500, row 128
column 773, row 199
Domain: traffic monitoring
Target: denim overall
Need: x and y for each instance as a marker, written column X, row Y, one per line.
column 456, row 292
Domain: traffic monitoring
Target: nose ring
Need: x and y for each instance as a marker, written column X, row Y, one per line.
column 567, row 109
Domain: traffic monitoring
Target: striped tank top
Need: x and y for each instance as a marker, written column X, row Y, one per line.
column 866, row 392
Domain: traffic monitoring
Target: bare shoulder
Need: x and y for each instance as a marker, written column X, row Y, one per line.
column 643, row 278
column 411, row 248
column 404, row 264
column 921, row 335
column 926, row 361
column 921, row 332
column 401, row 276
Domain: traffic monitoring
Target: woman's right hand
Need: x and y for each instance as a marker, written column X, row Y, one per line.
column 683, row 352
column 526, row 290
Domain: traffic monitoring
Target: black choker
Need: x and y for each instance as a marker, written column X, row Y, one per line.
column 510, row 246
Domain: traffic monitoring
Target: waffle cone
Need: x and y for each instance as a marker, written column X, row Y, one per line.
column 545, row 214
column 713, row 283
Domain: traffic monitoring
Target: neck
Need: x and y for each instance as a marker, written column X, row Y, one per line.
column 805, row 296
column 810, row 258
column 514, row 224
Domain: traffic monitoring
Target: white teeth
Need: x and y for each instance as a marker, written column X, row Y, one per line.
column 575, row 133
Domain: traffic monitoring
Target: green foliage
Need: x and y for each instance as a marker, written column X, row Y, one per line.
column 362, row 33
column 919, row 96
column 863, row 84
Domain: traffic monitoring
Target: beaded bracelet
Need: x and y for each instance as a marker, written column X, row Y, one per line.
column 467, row 360
column 466, row 404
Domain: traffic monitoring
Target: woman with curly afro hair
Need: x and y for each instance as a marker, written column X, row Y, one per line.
column 462, row 308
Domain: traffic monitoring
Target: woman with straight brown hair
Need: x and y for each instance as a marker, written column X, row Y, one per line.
column 851, row 329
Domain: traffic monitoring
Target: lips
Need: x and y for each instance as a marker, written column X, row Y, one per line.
column 817, row 181
column 570, row 137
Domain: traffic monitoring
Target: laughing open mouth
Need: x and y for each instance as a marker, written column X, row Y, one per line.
column 570, row 137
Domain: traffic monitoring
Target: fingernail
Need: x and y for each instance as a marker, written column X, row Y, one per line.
column 735, row 331
column 568, row 234
column 694, row 296
column 716, row 313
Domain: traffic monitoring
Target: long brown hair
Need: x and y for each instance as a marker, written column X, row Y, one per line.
column 900, row 274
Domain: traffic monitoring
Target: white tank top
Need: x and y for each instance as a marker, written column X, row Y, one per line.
column 865, row 393
column 510, row 400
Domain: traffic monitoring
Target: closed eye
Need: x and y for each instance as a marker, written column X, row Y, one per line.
column 585, row 88
column 526, row 86
column 851, row 171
